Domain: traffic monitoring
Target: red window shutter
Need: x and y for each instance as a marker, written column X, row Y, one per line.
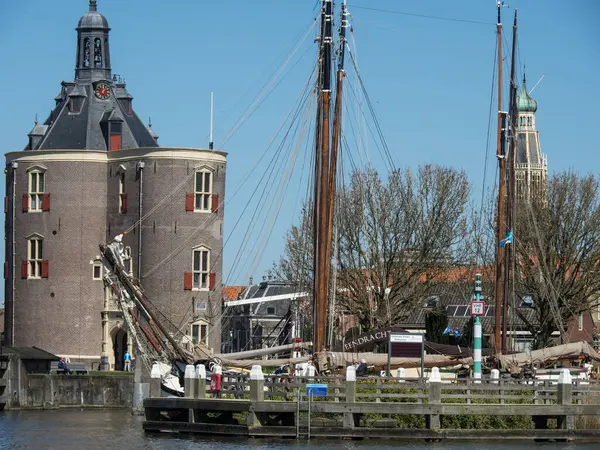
column 45, row 268
column 123, row 203
column 212, row 278
column 46, row 202
column 24, row 271
column 189, row 201
column 215, row 203
column 115, row 142
column 187, row 281
column 25, row 202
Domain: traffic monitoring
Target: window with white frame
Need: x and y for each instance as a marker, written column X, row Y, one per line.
column 34, row 257
column 97, row 270
column 203, row 191
column 201, row 268
column 121, row 192
column 36, row 190
column 200, row 332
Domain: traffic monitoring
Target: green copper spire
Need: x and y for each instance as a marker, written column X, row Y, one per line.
column 525, row 103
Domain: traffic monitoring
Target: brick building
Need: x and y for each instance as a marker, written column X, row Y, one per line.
column 89, row 172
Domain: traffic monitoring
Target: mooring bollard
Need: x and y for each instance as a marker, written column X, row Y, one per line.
column 200, row 381
column 349, row 421
column 401, row 374
column 257, row 393
column 435, row 397
column 495, row 376
column 564, row 397
column 155, row 381
column 189, row 381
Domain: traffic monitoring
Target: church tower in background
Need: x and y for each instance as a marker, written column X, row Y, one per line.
column 531, row 166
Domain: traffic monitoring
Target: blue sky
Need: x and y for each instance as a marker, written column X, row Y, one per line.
column 429, row 81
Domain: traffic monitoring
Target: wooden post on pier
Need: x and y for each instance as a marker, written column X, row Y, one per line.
column 257, row 394
column 189, row 381
column 350, row 419
column 435, row 398
column 155, row 381
column 200, row 381
column 564, row 396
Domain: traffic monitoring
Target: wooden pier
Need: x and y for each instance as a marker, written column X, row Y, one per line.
column 279, row 407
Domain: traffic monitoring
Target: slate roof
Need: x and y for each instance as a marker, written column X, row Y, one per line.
column 84, row 130
column 455, row 298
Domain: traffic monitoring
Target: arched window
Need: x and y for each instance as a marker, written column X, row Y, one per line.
column 97, row 52
column 86, row 52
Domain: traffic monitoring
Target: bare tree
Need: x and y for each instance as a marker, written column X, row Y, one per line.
column 397, row 237
column 394, row 239
column 557, row 250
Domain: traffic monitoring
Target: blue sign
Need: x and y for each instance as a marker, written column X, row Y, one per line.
column 316, row 390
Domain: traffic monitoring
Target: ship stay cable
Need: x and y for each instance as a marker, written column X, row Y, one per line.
column 259, row 98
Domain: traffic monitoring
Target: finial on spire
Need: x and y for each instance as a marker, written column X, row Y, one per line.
column 36, row 119
column 93, row 6
column 524, row 70
column 149, row 122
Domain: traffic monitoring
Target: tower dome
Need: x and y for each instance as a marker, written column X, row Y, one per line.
column 93, row 19
column 525, row 103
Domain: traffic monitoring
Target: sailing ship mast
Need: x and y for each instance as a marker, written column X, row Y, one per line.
column 321, row 268
column 326, row 167
column 500, row 154
column 512, row 141
column 335, row 142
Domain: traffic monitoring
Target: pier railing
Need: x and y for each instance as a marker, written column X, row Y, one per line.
column 276, row 405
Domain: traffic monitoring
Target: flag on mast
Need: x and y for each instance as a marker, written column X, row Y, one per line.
column 507, row 240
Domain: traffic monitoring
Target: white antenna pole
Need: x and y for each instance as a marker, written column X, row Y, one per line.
column 537, row 84
column 210, row 139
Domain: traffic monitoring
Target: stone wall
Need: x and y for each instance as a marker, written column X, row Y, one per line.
column 54, row 391
column 37, row 390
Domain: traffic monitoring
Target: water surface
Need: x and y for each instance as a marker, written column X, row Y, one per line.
column 118, row 429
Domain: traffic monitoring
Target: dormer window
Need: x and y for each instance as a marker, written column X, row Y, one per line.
column 75, row 104
column 115, row 130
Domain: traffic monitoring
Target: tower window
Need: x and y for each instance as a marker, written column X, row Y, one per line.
column 202, row 191
column 200, row 332
column 115, row 136
column 86, row 52
column 122, row 194
column 34, row 258
column 529, row 121
column 127, row 261
column 36, row 190
column 201, row 268
column 97, row 270
column 97, row 52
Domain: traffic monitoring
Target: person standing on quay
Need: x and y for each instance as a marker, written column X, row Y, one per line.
column 127, row 359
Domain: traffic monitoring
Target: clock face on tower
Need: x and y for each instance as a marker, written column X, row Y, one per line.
column 102, row 91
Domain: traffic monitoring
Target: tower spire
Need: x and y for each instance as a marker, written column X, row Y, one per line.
column 93, row 6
